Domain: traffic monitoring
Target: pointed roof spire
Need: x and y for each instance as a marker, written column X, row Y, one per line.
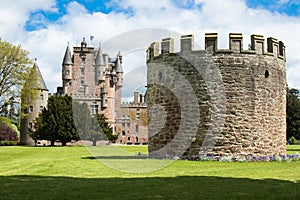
column 119, row 68
column 99, row 58
column 41, row 82
column 67, row 58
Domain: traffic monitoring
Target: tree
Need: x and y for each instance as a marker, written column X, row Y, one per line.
column 91, row 127
column 8, row 131
column 293, row 113
column 56, row 122
column 14, row 71
column 106, row 128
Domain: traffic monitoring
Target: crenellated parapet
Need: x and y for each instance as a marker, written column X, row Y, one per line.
column 274, row 48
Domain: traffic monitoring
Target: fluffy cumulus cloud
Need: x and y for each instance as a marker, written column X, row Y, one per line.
column 113, row 25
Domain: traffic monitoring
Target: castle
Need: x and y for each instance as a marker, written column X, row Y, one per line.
column 91, row 76
column 217, row 102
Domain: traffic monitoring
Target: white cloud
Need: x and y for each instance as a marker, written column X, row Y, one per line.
column 49, row 44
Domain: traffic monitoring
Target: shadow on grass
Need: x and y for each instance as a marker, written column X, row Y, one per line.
column 293, row 150
column 182, row 187
column 115, row 157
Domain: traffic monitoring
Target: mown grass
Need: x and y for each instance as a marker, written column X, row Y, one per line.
column 293, row 149
column 72, row 173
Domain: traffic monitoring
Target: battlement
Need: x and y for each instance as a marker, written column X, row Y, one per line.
column 274, row 48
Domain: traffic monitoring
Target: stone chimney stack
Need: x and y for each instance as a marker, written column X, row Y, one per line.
column 136, row 96
column 142, row 98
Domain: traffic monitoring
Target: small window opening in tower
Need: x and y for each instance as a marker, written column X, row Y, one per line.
column 160, row 76
column 267, row 74
column 83, row 60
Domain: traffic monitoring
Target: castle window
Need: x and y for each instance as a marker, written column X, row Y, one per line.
column 82, row 83
column 137, row 128
column 123, row 124
column 81, row 71
column 70, row 83
column 123, row 133
column 128, row 138
column 42, row 97
column 83, row 61
column 267, row 74
column 128, row 124
column 137, row 116
column 137, row 139
column 67, row 72
column 41, row 108
column 30, row 109
column 94, row 109
column 30, row 125
column 159, row 76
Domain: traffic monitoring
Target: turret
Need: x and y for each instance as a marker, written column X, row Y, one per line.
column 119, row 69
column 100, row 65
column 67, row 65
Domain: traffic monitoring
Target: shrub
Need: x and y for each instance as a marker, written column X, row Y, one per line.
column 8, row 131
column 292, row 140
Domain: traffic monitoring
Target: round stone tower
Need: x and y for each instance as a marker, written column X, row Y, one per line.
column 217, row 102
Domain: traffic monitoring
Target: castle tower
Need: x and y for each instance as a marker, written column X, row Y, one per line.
column 36, row 105
column 94, row 78
column 67, row 69
column 119, row 81
column 217, row 102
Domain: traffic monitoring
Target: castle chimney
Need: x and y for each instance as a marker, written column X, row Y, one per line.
column 136, row 94
column 142, row 98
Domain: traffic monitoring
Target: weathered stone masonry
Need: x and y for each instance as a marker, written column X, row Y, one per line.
column 219, row 102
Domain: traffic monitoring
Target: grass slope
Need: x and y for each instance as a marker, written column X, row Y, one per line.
column 71, row 173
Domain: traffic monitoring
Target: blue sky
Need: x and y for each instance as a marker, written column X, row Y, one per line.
column 45, row 27
column 285, row 7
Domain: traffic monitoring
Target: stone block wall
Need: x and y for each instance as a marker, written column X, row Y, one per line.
column 217, row 102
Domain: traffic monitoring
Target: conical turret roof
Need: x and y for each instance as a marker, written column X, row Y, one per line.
column 41, row 83
column 67, row 58
column 119, row 68
column 99, row 58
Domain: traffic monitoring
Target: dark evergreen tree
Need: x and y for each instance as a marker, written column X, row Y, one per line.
column 293, row 113
column 56, row 122
column 106, row 128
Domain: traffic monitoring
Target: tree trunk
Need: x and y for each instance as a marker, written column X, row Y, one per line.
column 63, row 143
column 52, row 143
column 94, row 142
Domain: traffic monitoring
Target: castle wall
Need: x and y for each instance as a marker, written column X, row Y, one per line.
column 228, row 102
column 132, row 123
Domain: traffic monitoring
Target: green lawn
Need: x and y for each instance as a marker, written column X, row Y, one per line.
column 74, row 173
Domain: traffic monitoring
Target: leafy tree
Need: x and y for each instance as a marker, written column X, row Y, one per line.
column 14, row 71
column 293, row 113
column 56, row 122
